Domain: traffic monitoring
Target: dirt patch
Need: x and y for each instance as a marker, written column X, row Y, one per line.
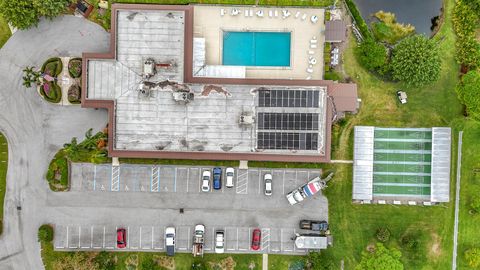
column 371, row 248
column 435, row 251
column 165, row 262
column 225, row 264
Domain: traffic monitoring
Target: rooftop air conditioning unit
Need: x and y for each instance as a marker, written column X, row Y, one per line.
column 246, row 120
column 183, row 97
column 149, row 68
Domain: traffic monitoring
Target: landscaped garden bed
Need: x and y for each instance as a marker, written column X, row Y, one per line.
column 52, row 67
column 51, row 92
column 75, row 67
column 92, row 149
column 74, row 94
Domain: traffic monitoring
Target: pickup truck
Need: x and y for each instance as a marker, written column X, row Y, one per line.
column 314, row 225
column 308, row 190
column 198, row 240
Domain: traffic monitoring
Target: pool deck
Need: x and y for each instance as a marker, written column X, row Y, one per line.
column 209, row 24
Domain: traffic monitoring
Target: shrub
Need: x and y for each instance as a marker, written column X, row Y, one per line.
column 105, row 261
column 371, row 55
column 388, row 30
column 475, row 205
column 416, row 61
column 465, row 21
column 409, row 242
column 468, row 90
column 332, row 75
column 473, row 257
column 45, row 233
column 381, row 258
column 383, row 235
column 75, row 67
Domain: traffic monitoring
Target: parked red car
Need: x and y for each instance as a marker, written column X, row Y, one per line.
column 256, row 237
column 121, row 238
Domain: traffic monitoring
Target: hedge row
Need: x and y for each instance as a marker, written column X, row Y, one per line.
column 360, row 22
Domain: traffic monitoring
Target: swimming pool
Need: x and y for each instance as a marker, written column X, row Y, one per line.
column 256, row 48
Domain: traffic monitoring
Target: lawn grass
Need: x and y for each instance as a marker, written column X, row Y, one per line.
column 3, row 175
column 468, row 235
column 4, row 32
column 283, row 261
column 354, row 226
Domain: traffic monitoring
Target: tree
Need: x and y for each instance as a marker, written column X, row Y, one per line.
column 468, row 91
column 381, row 258
column 416, row 61
column 23, row 14
column 473, row 257
column 45, row 234
column 50, row 8
column 30, row 76
column 371, row 55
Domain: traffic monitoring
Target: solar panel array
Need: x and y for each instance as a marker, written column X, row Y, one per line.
column 288, row 98
column 287, row 121
column 287, row 141
column 295, row 126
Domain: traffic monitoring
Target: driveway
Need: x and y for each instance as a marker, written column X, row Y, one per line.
column 36, row 130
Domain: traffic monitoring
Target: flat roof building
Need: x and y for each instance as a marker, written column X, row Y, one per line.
column 401, row 165
column 170, row 96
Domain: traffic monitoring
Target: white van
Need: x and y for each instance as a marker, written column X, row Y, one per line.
column 230, row 172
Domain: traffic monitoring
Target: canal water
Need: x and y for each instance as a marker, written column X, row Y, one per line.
column 418, row 13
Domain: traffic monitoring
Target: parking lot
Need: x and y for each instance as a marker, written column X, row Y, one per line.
column 152, row 238
column 172, row 196
column 179, row 179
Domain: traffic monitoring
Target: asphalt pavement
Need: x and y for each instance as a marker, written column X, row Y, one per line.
column 36, row 130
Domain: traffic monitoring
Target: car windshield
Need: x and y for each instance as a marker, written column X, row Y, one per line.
column 205, row 177
column 229, row 173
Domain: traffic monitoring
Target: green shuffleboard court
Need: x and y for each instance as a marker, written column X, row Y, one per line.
column 402, row 162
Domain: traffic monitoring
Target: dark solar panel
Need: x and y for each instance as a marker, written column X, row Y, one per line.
column 288, row 98
column 287, row 141
column 287, row 121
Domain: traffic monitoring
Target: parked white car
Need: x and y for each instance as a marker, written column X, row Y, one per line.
column 170, row 240
column 267, row 179
column 206, row 175
column 230, row 172
column 219, row 242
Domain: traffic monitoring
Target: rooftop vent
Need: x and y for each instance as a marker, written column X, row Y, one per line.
column 149, row 68
column 183, row 97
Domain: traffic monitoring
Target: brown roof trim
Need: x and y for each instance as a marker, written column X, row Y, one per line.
column 188, row 78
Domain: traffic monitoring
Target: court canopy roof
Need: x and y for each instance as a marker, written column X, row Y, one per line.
column 402, row 164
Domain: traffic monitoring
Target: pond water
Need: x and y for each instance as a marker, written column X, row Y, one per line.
column 415, row 12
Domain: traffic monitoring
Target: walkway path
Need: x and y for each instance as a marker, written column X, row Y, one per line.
column 457, row 201
column 35, row 130
column 265, row 262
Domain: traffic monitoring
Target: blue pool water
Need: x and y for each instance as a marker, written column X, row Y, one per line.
column 256, row 49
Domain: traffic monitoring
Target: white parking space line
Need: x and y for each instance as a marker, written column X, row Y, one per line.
column 94, row 177
column 175, row 180
column 188, row 177
column 283, row 183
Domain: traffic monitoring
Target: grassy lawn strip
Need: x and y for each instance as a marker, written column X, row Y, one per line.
column 468, row 236
column 3, row 175
column 55, row 260
column 4, row 32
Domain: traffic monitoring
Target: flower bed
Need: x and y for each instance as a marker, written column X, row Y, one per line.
column 52, row 67
column 51, row 92
column 74, row 94
column 75, row 67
